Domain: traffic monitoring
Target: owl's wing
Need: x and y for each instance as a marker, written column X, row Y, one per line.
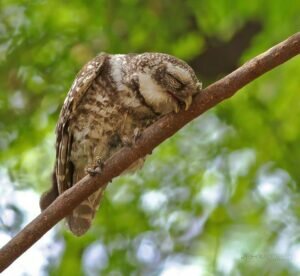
column 81, row 84
column 62, row 178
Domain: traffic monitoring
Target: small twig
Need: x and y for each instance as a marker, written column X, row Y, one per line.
column 152, row 137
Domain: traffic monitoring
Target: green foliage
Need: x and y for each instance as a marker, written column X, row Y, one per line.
column 221, row 196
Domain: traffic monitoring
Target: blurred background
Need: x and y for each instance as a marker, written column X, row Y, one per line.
column 221, row 197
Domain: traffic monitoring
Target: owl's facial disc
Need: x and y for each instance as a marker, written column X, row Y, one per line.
column 166, row 83
column 179, row 83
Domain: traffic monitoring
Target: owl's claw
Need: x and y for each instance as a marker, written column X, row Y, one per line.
column 96, row 169
column 100, row 162
column 129, row 142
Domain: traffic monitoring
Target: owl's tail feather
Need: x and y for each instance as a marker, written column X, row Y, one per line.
column 81, row 218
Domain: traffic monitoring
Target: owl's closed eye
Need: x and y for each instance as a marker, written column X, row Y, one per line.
column 173, row 82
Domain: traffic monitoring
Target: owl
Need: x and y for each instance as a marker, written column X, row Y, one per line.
column 112, row 100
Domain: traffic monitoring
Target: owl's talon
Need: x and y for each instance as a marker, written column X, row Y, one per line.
column 97, row 169
column 100, row 162
column 94, row 171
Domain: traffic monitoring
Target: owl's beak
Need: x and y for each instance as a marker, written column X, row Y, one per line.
column 176, row 108
column 188, row 102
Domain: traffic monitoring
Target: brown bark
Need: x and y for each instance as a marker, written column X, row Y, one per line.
column 152, row 137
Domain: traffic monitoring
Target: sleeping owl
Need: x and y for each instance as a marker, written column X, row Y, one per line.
column 113, row 98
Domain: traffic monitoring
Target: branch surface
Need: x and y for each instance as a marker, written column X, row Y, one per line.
column 151, row 137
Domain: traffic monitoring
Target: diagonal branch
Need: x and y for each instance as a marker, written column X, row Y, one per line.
column 152, row 137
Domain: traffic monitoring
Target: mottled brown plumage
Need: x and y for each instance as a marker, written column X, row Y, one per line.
column 112, row 98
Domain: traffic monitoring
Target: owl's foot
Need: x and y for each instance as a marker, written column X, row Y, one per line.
column 130, row 141
column 92, row 171
column 95, row 169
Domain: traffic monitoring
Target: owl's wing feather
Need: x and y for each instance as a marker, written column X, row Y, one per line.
column 80, row 86
column 62, row 179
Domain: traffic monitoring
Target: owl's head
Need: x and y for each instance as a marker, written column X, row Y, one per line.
column 165, row 82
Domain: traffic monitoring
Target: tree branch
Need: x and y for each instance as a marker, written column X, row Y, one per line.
column 151, row 137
